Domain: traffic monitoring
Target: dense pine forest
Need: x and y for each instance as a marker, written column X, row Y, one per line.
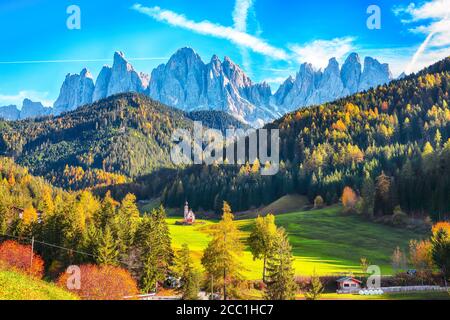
column 382, row 153
column 79, row 228
column 219, row 120
column 106, row 143
column 390, row 144
column 127, row 135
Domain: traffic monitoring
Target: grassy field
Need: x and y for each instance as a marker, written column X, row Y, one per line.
column 16, row 286
column 286, row 204
column 388, row 296
column 323, row 240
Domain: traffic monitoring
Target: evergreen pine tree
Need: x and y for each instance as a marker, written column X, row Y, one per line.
column 262, row 239
column 280, row 282
column 189, row 277
column 127, row 222
column 315, row 288
column 154, row 244
column 221, row 259
column 107, row 251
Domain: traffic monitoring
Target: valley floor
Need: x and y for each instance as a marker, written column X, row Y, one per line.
column 322, row 240
column 17, row 286
column 390, row 296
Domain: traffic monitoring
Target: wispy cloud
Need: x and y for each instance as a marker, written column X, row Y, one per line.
column 432, row 9
column 318, row 52
column 17, row 99
column 240, row 19
column 275, row 80
column 397, row 57
column 206, row 27
column 78, row 60
column 240, row 14
column 431, row 19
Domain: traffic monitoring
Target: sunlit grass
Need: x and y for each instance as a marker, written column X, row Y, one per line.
column 322, row 240
column 17, row 286
column 388, row 296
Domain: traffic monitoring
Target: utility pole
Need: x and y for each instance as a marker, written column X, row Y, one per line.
column 225, row 269
column 212, row 287
column 224, row 283
column 32, row 252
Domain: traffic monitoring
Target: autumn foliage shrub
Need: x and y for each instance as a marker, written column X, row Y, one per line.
column 18, row 257
column 102, row 283
column 444, row 226
column 318, row 202
column 349, row 200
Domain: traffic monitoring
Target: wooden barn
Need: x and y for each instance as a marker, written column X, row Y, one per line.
column 348, row 285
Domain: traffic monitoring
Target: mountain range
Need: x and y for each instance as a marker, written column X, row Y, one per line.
column 189, row 84
column 128, row 134
column 29, row 109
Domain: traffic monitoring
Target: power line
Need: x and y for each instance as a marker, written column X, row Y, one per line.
column 79, row 60
column 58, row 247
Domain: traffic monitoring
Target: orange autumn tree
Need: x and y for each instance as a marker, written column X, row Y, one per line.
column 440, row 243
column 441, row 226
column 30, row 215
column 349, row 199
column 420, row 255
column 102, row 283
column 18, row 257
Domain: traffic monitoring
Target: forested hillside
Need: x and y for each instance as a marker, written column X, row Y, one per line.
column 390, row 144
column 217, row 120
column 104, row 143
column 79, row 228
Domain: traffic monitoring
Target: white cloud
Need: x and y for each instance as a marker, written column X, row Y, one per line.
column 433, row 16
column 240, row 14
column 318, row 52
column 429, row 57
column 397, row 57
column 240, row 17
column 431, row 19
column 212, row 29
column 275, row 80
column 17, row 99
column 79, row 60
column 434, row 9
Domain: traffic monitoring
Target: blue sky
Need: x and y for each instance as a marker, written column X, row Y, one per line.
column 268, row 38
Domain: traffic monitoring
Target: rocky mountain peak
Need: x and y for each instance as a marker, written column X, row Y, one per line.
column 186, row 82
column 119, row 60
column 235, row 74
column 401, row 76
column 85, row 73
column 374, row 74
column 76, row 90
column 32, row 109
column 123, row 77
column 185, row 56
column 351, row 73
column 215, row 64
column 333, row 67
column 9, row 113
column 101, row 85
column 312, row 87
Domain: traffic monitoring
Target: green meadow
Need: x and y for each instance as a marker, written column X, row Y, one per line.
column 17, row 286
column 323, row 240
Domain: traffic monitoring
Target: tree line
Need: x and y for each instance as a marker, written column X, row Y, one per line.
column 395, row 137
